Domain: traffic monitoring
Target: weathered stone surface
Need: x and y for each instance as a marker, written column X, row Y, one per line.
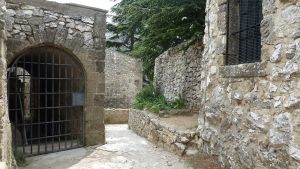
column 258, row 121
column 116, row 116
column 23, row 15
column 294, row 152
column 293, row 100
column 6, row 154
column 291, row 51
column 148, row 125
column 261, row 99
column 88, row 20
column 276, row 56
column 278, row 138
column 243, row 70
column 123, row 78
column 41, row 23
column 177, row 74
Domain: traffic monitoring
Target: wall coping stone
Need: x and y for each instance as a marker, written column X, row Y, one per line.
column 67, row 8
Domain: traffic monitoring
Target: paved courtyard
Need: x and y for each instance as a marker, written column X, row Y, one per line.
column 124, row 150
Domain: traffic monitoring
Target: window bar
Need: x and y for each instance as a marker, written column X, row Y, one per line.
column 53, row 100
column 16, row 104
column 46, row 101
column 65, row 103
column 31, row 104
column 227, row 33
column 71, row 90
column 39, row 101
column 23, row 105
column 82, row 83
column 59, row 119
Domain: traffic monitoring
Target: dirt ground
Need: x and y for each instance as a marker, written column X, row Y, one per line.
column 124, row 150
column 181, row 122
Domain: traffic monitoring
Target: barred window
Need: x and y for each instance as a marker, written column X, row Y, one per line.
column 243, row 31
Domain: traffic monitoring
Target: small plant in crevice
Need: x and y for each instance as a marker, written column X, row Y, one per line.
column 20, row 158
column 151, row 99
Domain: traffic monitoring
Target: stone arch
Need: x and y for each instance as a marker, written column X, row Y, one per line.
column 92, row 63
column 46, row 92
column 19, row 52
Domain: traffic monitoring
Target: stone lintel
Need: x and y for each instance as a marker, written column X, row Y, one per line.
column 243, row 70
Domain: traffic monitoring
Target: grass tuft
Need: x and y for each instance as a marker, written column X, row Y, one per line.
column 151, row 99
column 20, row 158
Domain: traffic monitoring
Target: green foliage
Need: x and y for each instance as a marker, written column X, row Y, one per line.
column 147, row 28
column 20, row 158
column 151, row 99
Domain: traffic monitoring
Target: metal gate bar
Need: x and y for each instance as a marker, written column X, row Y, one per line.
column 47, row 121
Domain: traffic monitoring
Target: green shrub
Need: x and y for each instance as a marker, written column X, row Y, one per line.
column 20, row 158
column 151, row 99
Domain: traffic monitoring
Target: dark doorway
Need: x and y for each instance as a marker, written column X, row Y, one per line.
column 46, row 101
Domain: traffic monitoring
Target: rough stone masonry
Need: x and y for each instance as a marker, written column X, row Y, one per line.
column 251, row 112
column 177, row 74
column 78, row 30
column 6, row 157
column 123, row 79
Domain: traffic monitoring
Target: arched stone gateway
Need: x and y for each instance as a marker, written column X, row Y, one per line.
column 46, row 94
column 55, row 56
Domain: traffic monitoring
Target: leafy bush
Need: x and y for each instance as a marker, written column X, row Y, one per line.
column 151, row 99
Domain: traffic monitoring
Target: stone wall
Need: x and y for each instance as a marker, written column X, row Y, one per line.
column 177, row 74
column 123, row 79
column 116, row 116
column 149, row 125
column 74, row 29
column 250, row 115
column 6, row 155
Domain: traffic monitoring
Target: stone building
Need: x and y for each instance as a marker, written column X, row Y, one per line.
column 250, row 83
column 249, row 97
column 53, row 59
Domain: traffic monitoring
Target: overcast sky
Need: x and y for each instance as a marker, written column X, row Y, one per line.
column 102, row 4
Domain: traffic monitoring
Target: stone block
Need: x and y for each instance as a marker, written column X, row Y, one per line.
column 60, row 36
column 279, row 138
column 96, row 55
column 94, row 113
column 99, row 43
column 222, row 18
column 94, row 138
column 98, row 99
column 116, row 116
column 100, row 65
column 293, row 101
column 99, row 26
column 91, row 87
column 94, row 125
column 101, row 88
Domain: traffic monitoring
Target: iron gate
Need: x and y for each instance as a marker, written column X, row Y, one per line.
column 46, row 101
